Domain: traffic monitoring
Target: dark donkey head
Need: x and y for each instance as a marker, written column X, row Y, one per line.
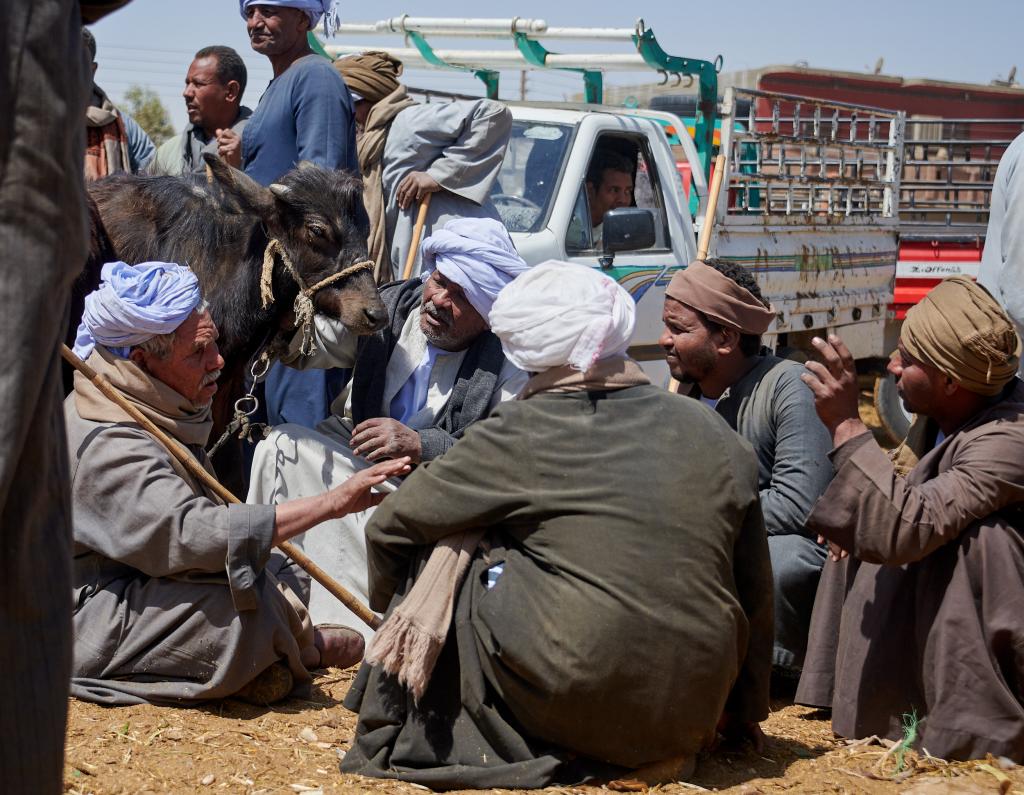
column 314, row 214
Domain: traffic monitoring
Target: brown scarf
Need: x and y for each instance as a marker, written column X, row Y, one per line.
column 370, row 150
column 165, row 408
column 409, row 642
column 720, row 298
column 106, row 146
column 961, row 330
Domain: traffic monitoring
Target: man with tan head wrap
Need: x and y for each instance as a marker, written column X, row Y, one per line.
column 406, row 151
column 926, row 615
column 714, row 317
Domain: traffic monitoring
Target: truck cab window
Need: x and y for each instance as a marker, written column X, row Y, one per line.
column 620, row 174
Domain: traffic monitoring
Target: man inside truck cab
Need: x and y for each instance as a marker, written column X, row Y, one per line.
column 714, row 317
column 609, row 185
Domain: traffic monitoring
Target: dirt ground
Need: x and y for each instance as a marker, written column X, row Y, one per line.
column 294, row 747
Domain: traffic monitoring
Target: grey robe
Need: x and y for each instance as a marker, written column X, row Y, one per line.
column 634, row 605
column 459, row 144
column 183, row 153
column 172, row 602
column 773, row 409
column 1002, row 261
column 44, row 88
column 927, row 614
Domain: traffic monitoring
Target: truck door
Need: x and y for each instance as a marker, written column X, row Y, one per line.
column 628, row 169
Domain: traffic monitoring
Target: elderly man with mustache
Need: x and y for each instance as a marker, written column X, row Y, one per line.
column 417, row 384
column 177, row 596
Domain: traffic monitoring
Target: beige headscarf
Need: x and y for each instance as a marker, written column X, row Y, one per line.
column 374, row 76
column 171, row 412
column 164, row 407
column 962, row 331
column 720, row 298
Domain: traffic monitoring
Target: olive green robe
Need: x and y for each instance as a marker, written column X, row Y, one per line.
column 634, row 604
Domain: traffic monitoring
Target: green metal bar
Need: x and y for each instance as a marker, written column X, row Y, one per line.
column 536, row 54
column 488, row 77
column 316, row 46
column 707, row 77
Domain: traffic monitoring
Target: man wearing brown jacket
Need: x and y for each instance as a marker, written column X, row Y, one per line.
column 926, row 616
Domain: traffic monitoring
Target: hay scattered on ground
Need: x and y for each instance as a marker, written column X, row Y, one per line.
column 294, row 747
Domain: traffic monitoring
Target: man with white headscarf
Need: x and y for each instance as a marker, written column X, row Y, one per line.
column 581, row 585
column 417, row 384
column 177, row 597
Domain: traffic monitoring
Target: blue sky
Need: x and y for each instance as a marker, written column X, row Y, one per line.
column 151, row 43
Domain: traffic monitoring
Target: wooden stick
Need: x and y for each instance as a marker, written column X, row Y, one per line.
column 704, row 242
column 417, row 233
column 196, row 469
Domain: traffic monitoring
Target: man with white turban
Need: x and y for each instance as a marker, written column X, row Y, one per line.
column 177, row 597
column 926, row 614
column 417, row 384
column 714, row 317
column 581, row 585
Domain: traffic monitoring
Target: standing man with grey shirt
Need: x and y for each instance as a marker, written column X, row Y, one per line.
column 213, row 95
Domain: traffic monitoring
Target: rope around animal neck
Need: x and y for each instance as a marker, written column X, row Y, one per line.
column 303, row 306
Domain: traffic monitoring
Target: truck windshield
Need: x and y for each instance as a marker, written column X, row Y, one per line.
column 525, row 185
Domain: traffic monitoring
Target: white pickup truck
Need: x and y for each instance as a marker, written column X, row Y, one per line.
column 808, row 204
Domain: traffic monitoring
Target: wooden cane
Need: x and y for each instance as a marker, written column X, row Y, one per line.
column 417, row 233
column 196, row 469
column 704, row 241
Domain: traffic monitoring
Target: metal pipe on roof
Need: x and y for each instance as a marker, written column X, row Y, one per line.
column 496, row 28
column 502, row 59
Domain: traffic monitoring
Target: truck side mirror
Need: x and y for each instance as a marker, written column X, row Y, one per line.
column 626, row 229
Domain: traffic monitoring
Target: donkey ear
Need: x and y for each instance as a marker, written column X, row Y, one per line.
column 249, row 193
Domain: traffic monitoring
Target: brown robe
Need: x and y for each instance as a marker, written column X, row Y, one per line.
column 927, row 615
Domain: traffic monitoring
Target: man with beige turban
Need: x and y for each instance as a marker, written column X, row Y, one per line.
column 406, row 151
column 926, row 614
column 714, row 318
column 597, row 590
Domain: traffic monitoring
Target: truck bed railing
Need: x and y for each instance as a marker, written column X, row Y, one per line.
column 948, row 171
column 811, row 160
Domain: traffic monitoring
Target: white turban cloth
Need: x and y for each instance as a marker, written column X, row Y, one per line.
column 135, row 303
column 477, row 254
column 314, row 10
column 560, row 313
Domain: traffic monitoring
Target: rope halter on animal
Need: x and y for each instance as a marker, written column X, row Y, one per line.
column 303, row 306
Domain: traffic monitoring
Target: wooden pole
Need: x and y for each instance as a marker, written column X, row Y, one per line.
column 704, row 241
column 197, row 470
column 417, row 233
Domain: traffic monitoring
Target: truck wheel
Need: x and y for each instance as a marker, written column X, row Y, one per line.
column 894, row 418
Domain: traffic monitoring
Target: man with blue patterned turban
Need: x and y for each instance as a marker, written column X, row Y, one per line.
column 177, row 596
column 416, row 386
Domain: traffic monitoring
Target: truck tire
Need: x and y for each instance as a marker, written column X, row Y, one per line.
column 894, row 418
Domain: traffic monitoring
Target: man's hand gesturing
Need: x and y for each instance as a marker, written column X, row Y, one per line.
column 383, row 437
column 833, row 381
column 355, row 495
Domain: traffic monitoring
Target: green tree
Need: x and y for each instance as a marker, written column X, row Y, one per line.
column 143, row 105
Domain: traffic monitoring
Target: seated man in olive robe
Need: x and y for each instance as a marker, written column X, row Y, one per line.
column 581, row 585
column 177, row 596
column 926, row 615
